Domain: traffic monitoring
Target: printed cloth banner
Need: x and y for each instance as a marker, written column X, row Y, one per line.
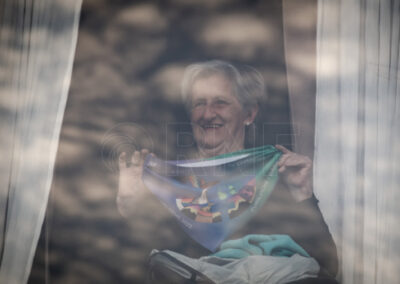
column 214, row 197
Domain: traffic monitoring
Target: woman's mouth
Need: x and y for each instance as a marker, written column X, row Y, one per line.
column 211, row 126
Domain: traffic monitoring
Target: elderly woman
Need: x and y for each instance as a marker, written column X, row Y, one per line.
column 223, row 103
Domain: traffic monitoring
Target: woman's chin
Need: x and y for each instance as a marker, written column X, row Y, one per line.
column 213, row 149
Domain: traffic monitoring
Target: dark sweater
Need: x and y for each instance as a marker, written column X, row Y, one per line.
column 303, row 221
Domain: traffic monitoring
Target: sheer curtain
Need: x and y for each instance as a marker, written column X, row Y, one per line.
column 357, row 154
column 37, row 45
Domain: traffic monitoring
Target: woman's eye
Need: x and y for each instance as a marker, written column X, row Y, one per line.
column 221, row 102
column 198, row 104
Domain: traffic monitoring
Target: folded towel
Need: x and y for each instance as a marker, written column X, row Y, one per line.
column 272, row 245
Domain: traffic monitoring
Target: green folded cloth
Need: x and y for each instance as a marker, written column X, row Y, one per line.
column 273, row 245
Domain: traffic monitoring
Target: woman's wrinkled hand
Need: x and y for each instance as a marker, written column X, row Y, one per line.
column 131, row 189
column 296, row 173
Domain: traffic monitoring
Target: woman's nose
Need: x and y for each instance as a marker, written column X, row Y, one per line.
column 209, row 112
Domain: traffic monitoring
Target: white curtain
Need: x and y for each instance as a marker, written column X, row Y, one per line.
column 357, row 155
column 37, row 45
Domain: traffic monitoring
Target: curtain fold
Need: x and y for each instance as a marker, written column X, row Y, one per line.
column 356, row 168
column 37, row 44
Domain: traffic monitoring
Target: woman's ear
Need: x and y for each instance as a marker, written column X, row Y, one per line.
column 251, row 114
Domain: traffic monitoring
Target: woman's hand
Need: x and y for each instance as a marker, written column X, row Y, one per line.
column 296, row 172
column 131, row 189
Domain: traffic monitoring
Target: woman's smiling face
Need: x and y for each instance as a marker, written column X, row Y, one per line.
column 218, row 119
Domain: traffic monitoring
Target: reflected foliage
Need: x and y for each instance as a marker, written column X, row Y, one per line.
column 129, row 63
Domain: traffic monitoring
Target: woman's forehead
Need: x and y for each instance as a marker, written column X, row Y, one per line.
column 212, row 86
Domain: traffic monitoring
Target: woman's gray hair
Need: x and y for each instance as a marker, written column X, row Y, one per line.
column 247, row 83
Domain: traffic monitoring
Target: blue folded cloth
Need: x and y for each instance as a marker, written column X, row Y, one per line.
column 273, row 245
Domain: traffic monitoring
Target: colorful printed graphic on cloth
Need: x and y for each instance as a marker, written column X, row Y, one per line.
column 200, row 209
column 214, row 197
